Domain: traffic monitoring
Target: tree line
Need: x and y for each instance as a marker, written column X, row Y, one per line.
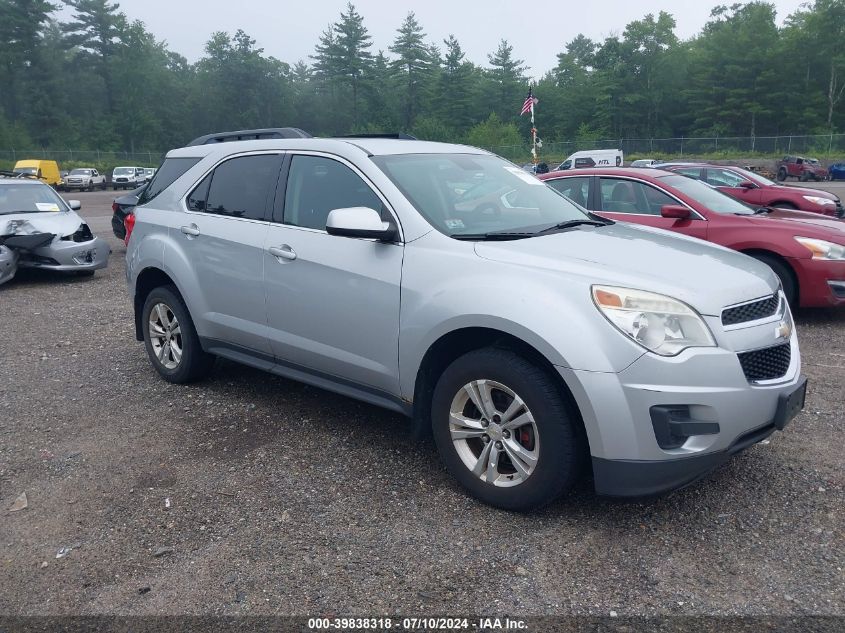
column 100, row 80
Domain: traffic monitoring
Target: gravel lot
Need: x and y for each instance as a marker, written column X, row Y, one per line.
column 250, row 494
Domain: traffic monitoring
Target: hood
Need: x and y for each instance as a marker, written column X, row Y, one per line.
column 61, row 223
column 806, row 191
column 706, row 276
column 788, row 219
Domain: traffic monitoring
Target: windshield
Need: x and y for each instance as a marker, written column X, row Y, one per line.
column 464, row 194
column 120, row 171
column 81, row 172
column 755, row 177
column 23, row 198
column 706, row 195
column 26, row 170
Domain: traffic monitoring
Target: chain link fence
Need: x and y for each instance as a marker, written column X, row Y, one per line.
column 96, row 158
column 823, row 146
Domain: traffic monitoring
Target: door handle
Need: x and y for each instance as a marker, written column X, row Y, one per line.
column 284, row 252
column 192, row 231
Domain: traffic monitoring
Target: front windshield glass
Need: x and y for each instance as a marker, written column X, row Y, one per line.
column 26, row 170
column 466, row 194
column 706, row 195
column 120, row 171
column 81, row 172
column 23, row 198
column 755, row 177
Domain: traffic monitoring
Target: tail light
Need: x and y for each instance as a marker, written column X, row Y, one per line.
column 128, row 224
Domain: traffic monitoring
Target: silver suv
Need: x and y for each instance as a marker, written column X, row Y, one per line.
column 445, row 283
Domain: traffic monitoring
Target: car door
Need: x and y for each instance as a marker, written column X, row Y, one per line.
column 332, row 301
column 222, row 237
column 630, row 200
column 728, row 181
column 576, row 188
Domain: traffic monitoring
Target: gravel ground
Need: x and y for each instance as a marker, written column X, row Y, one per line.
column 250, row 494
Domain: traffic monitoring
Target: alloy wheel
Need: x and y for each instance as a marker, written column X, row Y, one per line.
column 165, row 336
column 494, row 433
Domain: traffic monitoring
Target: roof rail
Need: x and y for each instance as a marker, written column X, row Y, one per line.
column 249, row 135
column 396, row 135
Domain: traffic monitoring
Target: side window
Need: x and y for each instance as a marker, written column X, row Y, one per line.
column 692, row 172
column 170, row 171
column 576, row 189
column 581, row 163
column 628, row 196
column 239, row 187
column 196, row 199
column 722, row 178
column 318, row 185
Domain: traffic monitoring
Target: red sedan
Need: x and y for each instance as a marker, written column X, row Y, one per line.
column 806, row 251
column 760, row 191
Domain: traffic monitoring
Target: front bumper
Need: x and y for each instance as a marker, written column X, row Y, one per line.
column 708, row 385
column 821, row 282
column 8, row 264
column 70, row 256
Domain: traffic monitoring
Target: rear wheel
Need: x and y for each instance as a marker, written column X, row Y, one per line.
column 171, row 339
column 782, row 174
column 784, row 273
column 504, row 430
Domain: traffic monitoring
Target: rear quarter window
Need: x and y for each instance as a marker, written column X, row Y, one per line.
column 169, row 172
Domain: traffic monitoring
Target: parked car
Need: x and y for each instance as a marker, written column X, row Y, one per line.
column 127, row 177
column 759, row 191
column 121, row 207
column 526, row 340
column 38, row 229
column 646, row 162
column 805, row 250
column 593, row 158
column 837, row 171
column 149, row 172
column 45, row 170
column 85, row 178
column 803, row 169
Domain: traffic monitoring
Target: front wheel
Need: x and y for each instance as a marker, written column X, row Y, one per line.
column 171, row 339
column 781, row 174
column 784, row 273
column 505, row 431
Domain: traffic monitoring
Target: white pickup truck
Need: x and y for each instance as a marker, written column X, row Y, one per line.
column 85, row 178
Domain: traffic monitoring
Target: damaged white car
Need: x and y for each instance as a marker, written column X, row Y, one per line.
column 38, row 229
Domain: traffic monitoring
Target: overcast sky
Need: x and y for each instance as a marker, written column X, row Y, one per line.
column 289, row 30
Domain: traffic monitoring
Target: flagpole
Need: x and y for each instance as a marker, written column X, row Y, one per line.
column 534, row 157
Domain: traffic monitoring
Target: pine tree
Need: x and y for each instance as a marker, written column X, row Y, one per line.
column 413, row 66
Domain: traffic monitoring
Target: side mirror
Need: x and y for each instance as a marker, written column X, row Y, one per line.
column 675, row 211
column 747, row 184
column 359, row 222
column 75, row 205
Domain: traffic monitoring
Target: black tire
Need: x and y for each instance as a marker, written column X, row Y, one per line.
column 784, row 273
column 561, row 445
column 781, row 174
column 785, row 205
column 805, row 177
column 103, row 185
column 195, row 363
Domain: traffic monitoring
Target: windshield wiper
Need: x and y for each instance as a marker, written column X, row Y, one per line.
column 568, row 224
column 494, row 236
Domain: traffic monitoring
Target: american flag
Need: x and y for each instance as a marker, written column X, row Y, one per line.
column 530, row 102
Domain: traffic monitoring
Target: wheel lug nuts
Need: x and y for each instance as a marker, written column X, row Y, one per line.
column 499, row 445
column 486, row 439
column 485, row 423
column 506, row 434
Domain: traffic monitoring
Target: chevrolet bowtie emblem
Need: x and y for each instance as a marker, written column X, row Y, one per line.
column 784, row 330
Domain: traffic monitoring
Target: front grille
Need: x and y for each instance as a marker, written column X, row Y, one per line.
column 766, row 364
column 751, row 311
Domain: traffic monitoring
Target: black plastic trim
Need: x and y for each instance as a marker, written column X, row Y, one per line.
column 306, row 375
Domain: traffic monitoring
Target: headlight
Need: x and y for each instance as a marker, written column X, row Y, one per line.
column 822, row 249
column 659, row 323
column 821, row 201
